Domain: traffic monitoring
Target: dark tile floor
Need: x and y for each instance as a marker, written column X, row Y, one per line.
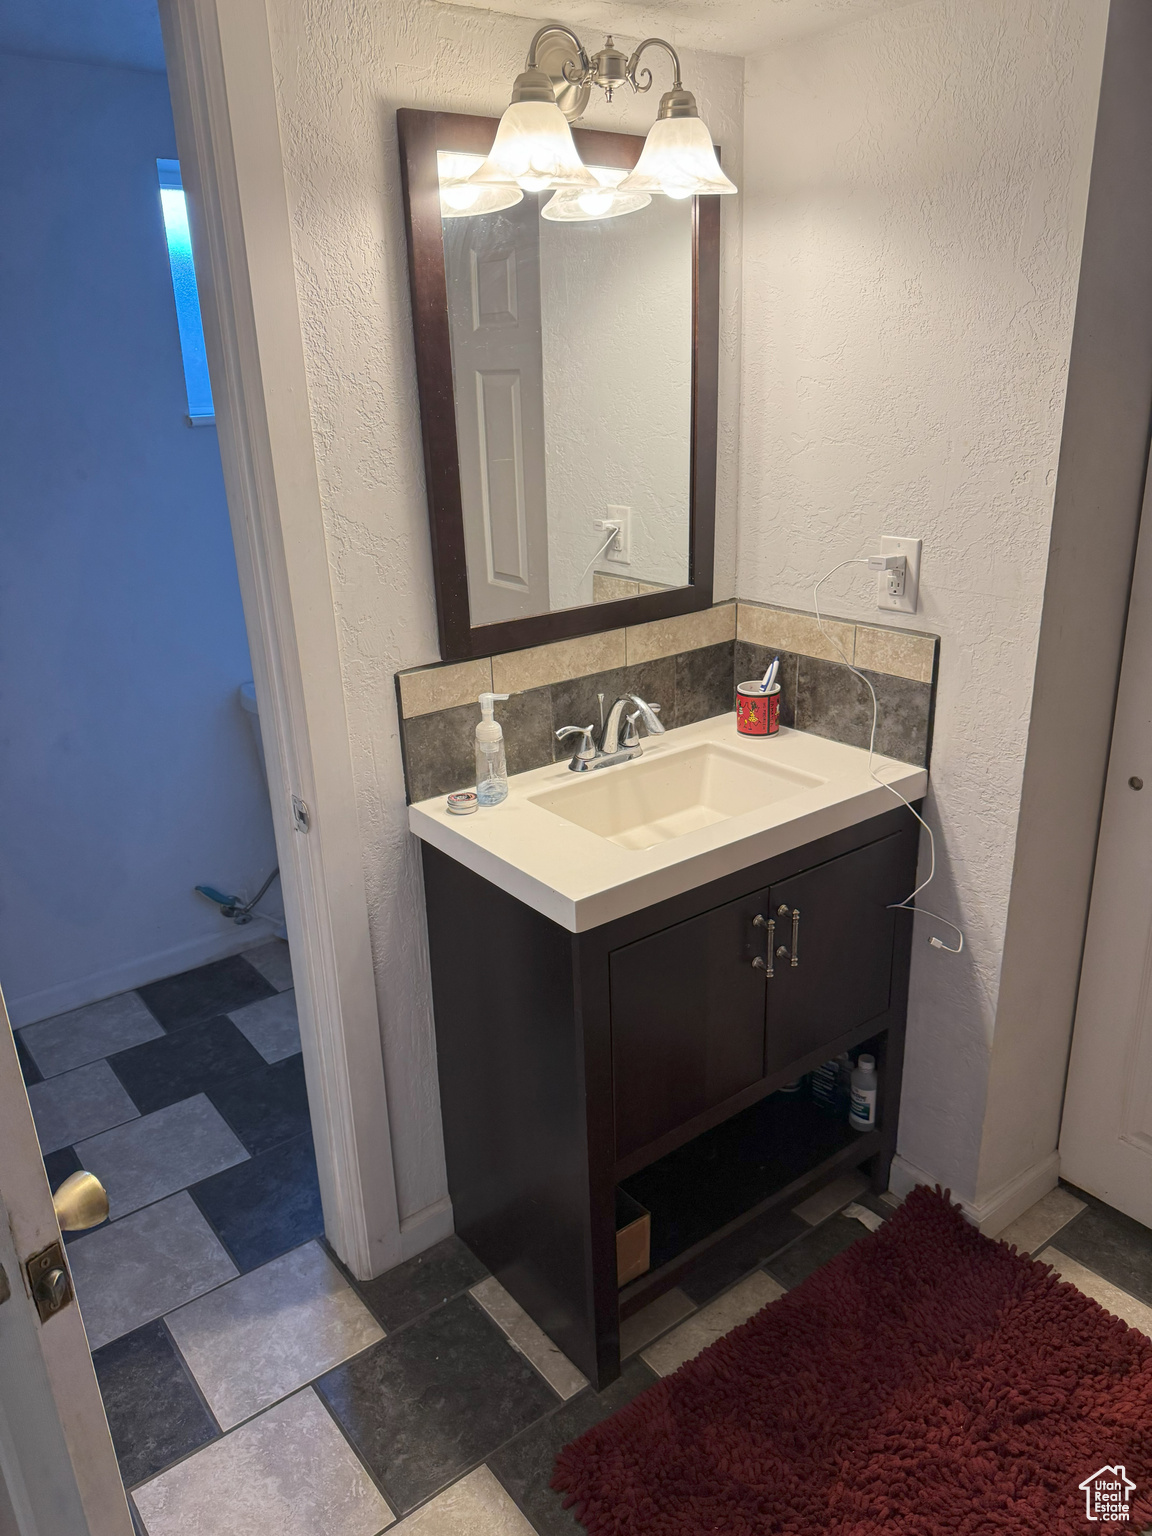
column 237, row 1351
column 524, row 1466
column 265, row 1206
column 1111, row 1244
column 197, row 1058
column 434, row 1398
column 204, row 993
column 155, row 1412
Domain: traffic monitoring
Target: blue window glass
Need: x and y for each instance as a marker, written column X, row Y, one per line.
column 200, row 408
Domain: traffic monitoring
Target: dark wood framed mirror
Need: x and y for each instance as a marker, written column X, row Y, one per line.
column 588, row 354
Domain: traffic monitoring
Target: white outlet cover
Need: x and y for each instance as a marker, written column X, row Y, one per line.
column 623, row 516
column 910, row 549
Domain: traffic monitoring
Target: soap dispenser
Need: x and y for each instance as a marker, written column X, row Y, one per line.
column 491, row 762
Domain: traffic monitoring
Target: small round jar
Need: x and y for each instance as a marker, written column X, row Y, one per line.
column 757, row 712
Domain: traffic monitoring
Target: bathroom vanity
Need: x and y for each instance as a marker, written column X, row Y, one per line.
column 629, row 962
column 628, row 966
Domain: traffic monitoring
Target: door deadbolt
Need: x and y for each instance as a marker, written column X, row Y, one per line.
column 1135, row 783
column 49, row 1281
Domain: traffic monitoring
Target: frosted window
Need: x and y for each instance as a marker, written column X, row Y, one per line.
column 175, row 209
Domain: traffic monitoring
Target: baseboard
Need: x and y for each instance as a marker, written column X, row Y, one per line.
column 135, row 973
column 995, row 1211
column 426, row 1227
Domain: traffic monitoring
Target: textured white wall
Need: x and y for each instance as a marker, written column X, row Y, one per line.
column 343, row 67
column 914, row 194
column 616, row 305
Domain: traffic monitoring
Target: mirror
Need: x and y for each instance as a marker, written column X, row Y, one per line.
column 572, row 376
column 568, row 411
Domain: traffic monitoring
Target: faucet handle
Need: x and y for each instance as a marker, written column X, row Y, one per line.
column 586, row 751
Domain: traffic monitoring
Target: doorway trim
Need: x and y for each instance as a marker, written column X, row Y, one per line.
column 228, row 138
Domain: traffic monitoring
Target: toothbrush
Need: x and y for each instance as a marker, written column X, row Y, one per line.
column 770, row 675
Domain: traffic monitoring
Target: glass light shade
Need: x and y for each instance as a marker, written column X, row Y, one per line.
column 462, row 199
column 678, row 159
column 582, row 204
column 534, row 150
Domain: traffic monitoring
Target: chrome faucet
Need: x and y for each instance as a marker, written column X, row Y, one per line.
column 613, row 747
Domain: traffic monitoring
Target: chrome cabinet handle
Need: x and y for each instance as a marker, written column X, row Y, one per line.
column 769, row 925
column 782, row 911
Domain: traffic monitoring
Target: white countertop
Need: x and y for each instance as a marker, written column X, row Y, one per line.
column 580, row 879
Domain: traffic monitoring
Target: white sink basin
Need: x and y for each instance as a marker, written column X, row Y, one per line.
column 649, row 801
column 701, row 803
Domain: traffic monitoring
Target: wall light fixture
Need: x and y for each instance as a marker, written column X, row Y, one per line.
column 534, row 149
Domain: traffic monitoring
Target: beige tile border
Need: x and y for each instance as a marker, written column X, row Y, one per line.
column 832, row 1198
column 782, row 630
column 1041, row 1222
column 898, row 653
column 557, row 663
column 433, row 688
column 712, row 1322
column 638, row 1331
column 529, row 1339
column 610, row 589
column 686, row 632
column 895, row 652
column 1135, row 1313
column 475, row 1506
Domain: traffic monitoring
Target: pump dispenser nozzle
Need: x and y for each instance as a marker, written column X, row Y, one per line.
column 488, row 702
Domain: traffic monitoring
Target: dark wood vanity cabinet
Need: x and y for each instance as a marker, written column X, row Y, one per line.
column 709, row 1007
column 649, row 1053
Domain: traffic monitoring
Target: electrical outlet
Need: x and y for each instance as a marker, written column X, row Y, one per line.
column 620, row 550
column 898, row 591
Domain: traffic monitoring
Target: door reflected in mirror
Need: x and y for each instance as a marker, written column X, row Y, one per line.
column 571, row 325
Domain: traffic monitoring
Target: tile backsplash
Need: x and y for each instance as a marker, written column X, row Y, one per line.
column 689, row 666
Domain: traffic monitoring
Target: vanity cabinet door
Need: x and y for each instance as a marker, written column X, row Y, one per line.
column 844, row 945
column 687, row 1020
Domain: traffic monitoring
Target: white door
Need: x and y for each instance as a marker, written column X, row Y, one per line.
column 492, row 270
column 58, row 1472
column 1106, row 1135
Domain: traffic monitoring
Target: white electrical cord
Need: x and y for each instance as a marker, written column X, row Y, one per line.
column 611, row 537
column 906, row 904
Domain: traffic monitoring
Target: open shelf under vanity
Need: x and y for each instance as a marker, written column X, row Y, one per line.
column 763, row 1156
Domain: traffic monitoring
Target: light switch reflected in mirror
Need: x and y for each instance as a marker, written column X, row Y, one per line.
column 571, row 324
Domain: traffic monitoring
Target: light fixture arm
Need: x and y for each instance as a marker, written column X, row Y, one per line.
column 634, row 61
column 557, row 52
column 554, row 28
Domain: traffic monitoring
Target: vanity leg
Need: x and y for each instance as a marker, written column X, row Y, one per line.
column 891, row 1052
column 514, row 1096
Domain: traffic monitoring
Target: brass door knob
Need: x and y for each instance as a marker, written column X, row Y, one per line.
column 80, row 1202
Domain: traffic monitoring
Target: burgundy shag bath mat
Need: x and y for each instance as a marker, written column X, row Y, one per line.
column 926, row 1380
